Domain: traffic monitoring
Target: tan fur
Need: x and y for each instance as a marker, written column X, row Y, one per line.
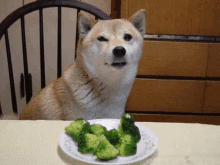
column 83, row 93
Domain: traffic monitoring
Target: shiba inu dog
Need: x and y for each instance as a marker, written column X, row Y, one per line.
column 98, row 83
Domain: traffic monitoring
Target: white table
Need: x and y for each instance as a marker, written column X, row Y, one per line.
column 36, row 142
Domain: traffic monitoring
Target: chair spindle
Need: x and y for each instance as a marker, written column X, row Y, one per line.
column 12, row 85
column 42, row 61
column 27, row 85
column 77, row 32
column 59, row 42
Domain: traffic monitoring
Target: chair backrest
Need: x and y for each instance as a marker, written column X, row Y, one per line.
column 19, row 14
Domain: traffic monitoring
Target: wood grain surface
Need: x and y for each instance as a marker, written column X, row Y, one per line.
column 214, row 60
column 212, row 97
column 214, row 120
column 187, row 17
column 166, row 96
column 164, row 58
column 167, row 118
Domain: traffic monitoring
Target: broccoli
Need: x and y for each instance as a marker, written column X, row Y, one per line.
column 127, row 145
column 105, row 151
column 113, row 137
column 106, row 145
column 98, row 130
column 132, row 130
column 127, row 120
column 75, row 128
column 127, row 126
column 88, row 143
column 86, row 128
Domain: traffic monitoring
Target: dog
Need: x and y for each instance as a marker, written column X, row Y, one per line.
column 98, row 83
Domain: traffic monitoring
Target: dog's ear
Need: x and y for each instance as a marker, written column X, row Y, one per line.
column 85, row 24
column 139, row 20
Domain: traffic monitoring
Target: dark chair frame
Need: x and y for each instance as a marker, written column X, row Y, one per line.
column 28, row 8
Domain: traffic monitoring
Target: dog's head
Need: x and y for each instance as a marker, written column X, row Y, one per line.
column 111, row 44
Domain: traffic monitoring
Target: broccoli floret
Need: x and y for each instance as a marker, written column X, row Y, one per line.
column 117, row 145
column 71, row 128
column 86, row 128
column 105, row 151
column 127, row 145
column 127, row 126
column 88, row 143
column 75, row 128
column 127, row 119
column 113, row 137
column 98, row 130
column 132, row 130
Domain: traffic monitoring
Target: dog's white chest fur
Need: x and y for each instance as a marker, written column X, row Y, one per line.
column 107, row 102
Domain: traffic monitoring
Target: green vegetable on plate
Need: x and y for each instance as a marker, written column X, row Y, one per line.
column 104, row 144
column 113, row 137
column 75, row 128
column 98, row 130
column 127, row 145
column 88, row 143
column 127, row 126
column 105, row 150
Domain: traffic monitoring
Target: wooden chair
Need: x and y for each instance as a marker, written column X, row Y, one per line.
column 19, row 14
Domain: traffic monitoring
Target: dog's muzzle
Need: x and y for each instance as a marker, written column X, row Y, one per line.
column 118, row 59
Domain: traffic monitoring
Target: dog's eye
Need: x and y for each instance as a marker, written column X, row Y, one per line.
column 101, row 38
column 127, row 37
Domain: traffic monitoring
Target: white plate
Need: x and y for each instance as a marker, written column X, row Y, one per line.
column 145, row 147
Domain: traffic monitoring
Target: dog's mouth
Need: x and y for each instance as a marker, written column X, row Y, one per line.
column 119, row 63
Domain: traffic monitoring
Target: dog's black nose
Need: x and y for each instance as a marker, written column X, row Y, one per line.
column 119, row 51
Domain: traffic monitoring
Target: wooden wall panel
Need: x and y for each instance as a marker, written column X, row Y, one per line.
column 212, row 97
column 214, row 60
column 167, row 118
column 134, row 6
column 124, row 8
column 214, row 120
column 166, row 96
column 164, row 58
column 198, row 17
